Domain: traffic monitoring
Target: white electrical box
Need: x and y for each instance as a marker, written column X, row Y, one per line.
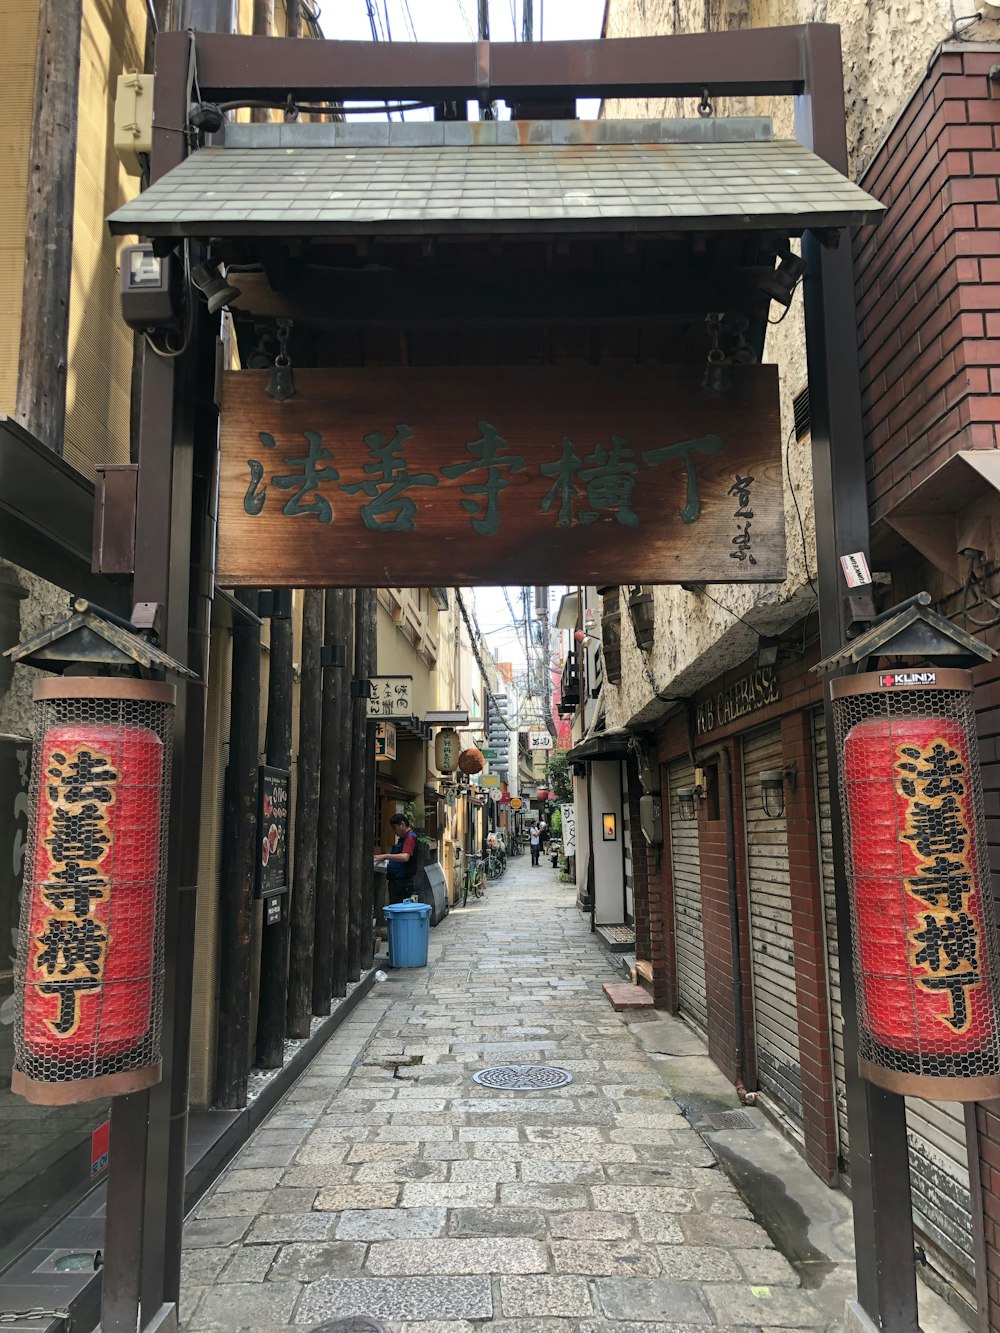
column 133, row 120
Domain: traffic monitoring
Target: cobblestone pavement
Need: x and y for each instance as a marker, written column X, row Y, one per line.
column 388, row 1184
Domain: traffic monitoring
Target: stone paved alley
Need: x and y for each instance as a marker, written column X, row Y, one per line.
column 414, row 1196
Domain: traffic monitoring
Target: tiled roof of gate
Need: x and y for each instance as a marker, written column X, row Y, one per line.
column 538, row 176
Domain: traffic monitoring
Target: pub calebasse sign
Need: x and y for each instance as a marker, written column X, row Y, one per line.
column 429, row 476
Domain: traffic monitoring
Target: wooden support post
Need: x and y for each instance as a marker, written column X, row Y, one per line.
column 239, row 864
column 302, row 909
column 347, row 814
column 293, row 18
column 274, row 938
column 334, row 767
column 358, row 870
column 48, row 246
column 367, row 619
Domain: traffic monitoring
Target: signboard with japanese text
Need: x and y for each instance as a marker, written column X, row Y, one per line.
column 568, row 810
column 490, row 780
column 435, row 476
column 273, row 786
column 540, row 740
column 391, row 696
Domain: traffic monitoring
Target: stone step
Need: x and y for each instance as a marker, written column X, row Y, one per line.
column 617, row 939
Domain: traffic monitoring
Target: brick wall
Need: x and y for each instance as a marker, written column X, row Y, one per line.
column 928, row 279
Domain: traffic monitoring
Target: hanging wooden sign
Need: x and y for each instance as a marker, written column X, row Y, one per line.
column 441, row 476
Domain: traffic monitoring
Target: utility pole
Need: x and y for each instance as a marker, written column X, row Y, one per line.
column 484, row 20
column 527, row 22
column 40, row 405
column 542, row 612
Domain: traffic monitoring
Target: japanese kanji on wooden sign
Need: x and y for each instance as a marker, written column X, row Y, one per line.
column 439, row 476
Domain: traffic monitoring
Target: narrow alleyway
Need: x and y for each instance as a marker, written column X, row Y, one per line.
column 408, row 1193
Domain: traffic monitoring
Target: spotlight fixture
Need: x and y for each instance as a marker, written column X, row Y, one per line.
column 207, row 118
column 211, row 283
column 781, row 283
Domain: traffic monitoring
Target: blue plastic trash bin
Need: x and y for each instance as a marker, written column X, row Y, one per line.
column 409, row 933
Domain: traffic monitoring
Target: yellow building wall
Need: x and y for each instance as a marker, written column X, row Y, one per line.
column 98, row 387
column 19, row 30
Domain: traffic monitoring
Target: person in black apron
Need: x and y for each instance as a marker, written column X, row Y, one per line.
column 401, row 862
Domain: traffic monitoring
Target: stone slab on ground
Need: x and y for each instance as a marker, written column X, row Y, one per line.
column 623, row 995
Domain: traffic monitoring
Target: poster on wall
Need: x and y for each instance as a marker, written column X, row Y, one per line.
column 568, row 813
column 273, row 788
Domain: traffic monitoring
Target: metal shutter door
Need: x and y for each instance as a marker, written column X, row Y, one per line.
column 772, row 952
column 822, row 769
column 939, row 1179
column 685, row 865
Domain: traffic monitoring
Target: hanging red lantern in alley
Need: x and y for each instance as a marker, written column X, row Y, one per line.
column 471, row 761
column 90, row 957
column 446, row 750
column 925, row 953
column 542, row 793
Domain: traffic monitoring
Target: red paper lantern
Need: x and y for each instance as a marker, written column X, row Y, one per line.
column 90, row 957
column 924, row 945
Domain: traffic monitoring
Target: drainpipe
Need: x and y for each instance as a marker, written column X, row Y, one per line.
column 721, row 755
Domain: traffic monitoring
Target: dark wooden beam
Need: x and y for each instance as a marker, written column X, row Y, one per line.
column 752, row 60
column 302, row 909
column 487, row 298
column 239, row 864
column 274, row 938
column 43, row 353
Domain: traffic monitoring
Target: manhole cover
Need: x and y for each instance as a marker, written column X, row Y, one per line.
column 522, row 1078
column 350, row 1326
column 728, row 1120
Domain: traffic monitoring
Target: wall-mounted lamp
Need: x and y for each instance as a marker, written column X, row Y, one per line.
column 767, row 651
column 642, row 614
column 686, row 798
column 772, row 789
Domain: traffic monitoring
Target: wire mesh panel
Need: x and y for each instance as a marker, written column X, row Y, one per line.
column 925, row 951
column 89, row 971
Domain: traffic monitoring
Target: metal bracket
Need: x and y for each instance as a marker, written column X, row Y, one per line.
column 275, row 604
column 361, row 688
column 333, row 655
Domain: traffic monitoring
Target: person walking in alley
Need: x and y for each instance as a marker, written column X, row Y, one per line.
column 535, row 842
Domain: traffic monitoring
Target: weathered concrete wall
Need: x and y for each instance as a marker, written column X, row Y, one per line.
column 44, row 604
column 887, row 47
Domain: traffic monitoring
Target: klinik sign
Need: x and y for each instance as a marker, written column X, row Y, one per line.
column 446, row 476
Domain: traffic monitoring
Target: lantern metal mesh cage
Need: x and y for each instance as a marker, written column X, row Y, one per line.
column 89, row 969
column 926, row 960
